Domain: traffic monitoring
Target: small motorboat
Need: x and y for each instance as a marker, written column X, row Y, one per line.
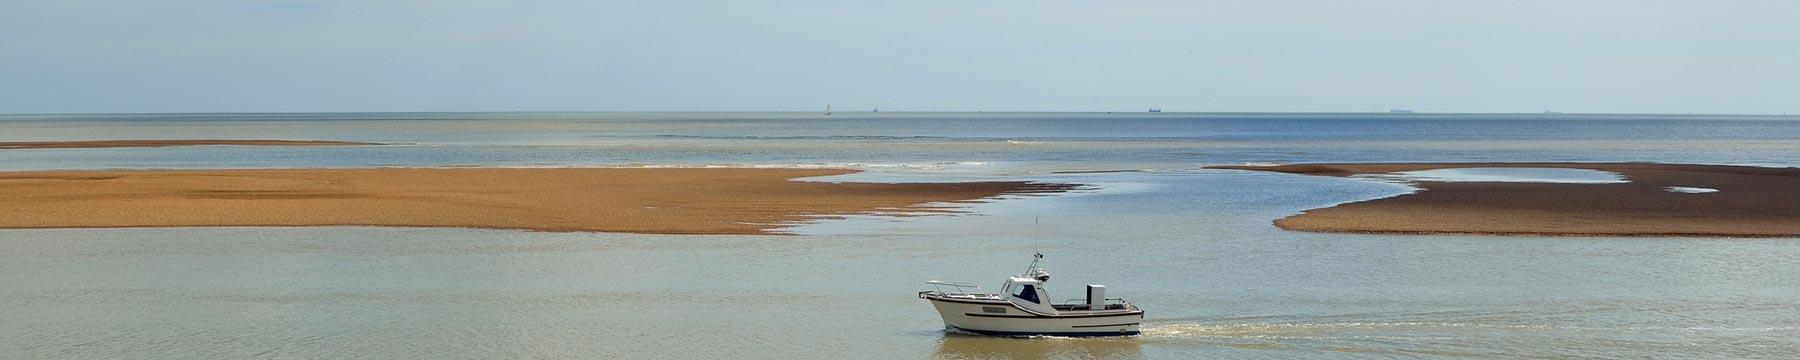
column 1024, row 308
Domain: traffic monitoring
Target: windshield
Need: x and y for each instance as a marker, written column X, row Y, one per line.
column 1028, row 293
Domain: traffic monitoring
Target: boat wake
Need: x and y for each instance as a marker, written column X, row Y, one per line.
column 1448, row 338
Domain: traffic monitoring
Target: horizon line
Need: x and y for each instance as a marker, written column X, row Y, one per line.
column 852, row 112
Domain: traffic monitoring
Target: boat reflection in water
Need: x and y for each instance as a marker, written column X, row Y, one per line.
column 955, row 345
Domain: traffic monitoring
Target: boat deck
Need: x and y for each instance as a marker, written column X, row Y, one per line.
column 1085, row 307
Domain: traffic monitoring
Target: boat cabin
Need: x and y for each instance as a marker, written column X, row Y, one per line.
column 1030, row 294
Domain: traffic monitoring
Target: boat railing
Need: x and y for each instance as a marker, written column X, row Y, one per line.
column 958, row 288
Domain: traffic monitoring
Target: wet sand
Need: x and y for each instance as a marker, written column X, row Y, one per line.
column 663, row 201
column 162, row 143
column 1750, row 202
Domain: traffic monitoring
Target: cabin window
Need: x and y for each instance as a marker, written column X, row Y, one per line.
column 993, row 309
column 1029, row 293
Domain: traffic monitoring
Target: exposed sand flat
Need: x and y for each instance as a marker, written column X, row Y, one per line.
column 673, row 201
column 161, row 143
column 1749, row 202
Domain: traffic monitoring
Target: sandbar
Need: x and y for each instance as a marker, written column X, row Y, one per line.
column 1748, row 202
column 635, row 200
column 161, row 143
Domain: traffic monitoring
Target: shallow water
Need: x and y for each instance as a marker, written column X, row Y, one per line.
column 1690, row 190
column 1530, row 175
column 1194, row 247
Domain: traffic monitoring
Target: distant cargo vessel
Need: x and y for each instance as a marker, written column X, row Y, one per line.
column 1400, row 111
column 1155, row 109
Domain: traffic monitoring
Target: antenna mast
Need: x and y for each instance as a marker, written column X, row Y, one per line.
column 1035, row 258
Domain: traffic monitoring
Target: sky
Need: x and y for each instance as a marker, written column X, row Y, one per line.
column 1642, row 56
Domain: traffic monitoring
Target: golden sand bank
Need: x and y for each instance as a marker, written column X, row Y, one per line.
column 161, row 143
column 1750, row 202
column 665, row 201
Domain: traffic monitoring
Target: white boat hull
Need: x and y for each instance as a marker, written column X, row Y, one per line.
column 1001, row 318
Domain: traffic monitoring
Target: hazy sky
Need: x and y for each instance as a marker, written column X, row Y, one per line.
column 442, row 55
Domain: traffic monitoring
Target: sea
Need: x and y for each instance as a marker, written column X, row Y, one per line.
column 1192, row 246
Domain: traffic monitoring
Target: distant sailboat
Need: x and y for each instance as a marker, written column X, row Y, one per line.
column 877, row 109
column 827, row 109
column 1155, row 109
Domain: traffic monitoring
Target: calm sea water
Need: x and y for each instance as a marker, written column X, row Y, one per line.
column 1194, row 247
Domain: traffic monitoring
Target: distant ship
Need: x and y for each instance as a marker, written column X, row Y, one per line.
column 1155, row 109
column 827, row 109
column 877, row 109
column 1400, row 111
